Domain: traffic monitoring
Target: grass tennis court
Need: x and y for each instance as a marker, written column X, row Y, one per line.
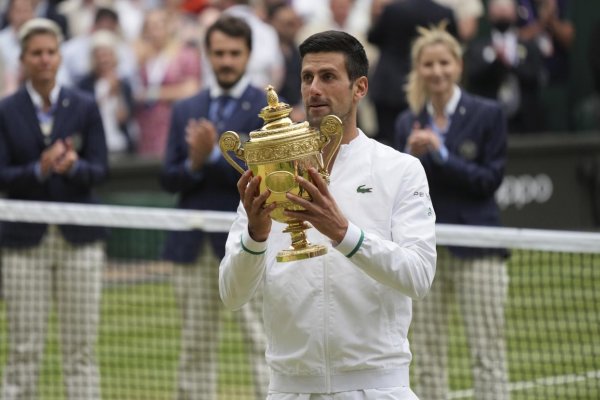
column 553, row 321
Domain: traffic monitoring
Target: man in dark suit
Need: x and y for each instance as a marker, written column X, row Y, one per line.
column 392, row 32
column 195, row 169
column 52, row 148
column 504, row 67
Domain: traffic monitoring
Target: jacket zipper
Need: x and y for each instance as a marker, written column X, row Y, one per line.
column 326, row 325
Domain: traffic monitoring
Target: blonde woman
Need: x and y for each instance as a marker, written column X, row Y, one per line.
column 461, row 142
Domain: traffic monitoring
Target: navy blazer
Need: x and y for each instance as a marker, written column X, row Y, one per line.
column 462, row 189
column 215, row 186
column 21, row 145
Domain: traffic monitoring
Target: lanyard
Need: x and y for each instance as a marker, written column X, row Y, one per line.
column 46, row 121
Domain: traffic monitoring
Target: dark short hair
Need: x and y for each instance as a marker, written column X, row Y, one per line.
column 106, row 12
column 230, row 26
column 357, row 64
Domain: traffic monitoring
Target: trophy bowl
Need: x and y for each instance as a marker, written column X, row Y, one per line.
column 279, row 152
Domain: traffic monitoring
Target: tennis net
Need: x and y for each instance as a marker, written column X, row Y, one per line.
column 552, row 313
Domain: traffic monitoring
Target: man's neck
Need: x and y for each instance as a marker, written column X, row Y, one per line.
column 350, row 133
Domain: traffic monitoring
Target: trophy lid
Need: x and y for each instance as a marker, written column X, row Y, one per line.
column 278, row 124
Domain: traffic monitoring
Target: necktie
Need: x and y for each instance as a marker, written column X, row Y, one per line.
column 221, row 111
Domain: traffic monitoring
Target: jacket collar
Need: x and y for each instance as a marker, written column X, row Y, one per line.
column 450, row 107
column 36, row 98
column 236, row 91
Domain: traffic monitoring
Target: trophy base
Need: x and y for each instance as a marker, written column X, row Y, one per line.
column 313, row 250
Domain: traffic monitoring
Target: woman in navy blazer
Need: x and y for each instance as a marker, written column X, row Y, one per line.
column 461, row 142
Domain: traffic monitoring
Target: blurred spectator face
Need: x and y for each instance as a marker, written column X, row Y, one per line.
column 157, row 28
column 228, row 57
column 20, row 12
column 104, row 60
column 107, row 23
column 502, row 14
column 41, row 58
column 438, row 69
column 173, row 4
column 287, row 23
column 340, row 10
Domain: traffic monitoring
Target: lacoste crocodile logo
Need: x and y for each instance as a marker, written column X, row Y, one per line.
column 363, row 189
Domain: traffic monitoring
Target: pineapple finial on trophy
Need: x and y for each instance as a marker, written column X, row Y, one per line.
column 275, row 110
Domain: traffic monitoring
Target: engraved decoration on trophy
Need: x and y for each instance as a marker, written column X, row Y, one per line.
column 279, row 152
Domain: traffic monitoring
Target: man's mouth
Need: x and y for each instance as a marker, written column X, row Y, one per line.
column 317, row 106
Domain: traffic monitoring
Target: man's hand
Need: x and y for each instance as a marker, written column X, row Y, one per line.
column 201, row 137
column 322, row 212
column 65, row 162
column 259, row 214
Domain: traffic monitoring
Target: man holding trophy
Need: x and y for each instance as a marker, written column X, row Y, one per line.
column 336, row 320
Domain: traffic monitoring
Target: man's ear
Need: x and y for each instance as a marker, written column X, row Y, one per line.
column 361, row 87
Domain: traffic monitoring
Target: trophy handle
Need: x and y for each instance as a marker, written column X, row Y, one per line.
column 230, row 141
column 331, row 127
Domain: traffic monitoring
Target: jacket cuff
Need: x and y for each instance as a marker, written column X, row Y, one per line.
column 352, row 241
column 250, row 245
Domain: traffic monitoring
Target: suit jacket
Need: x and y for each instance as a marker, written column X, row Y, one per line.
column 21, row 145
column 88, row 83
column 215, row 186
column 393, row 33
column 485, row 76
column 462, row 189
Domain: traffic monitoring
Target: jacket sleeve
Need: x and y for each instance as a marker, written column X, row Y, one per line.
column 175, row 176
column 407, row 261
column 483, row 176
column 92, row 166
column 242, row 269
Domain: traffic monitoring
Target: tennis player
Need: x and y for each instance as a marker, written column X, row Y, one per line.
column 337, row 324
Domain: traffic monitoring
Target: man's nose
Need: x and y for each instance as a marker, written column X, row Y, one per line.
column 46, row 57
column 315, row 87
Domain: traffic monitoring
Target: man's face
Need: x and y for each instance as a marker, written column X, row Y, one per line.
column 228, row 57
column 326, row 88
column 41, row 58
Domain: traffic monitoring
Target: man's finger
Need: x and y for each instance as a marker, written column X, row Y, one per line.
column 250, row 192
column 243, row 183
column 318, row 181
column 258, row 203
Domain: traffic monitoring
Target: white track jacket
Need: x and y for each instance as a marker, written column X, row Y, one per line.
column 339, row 322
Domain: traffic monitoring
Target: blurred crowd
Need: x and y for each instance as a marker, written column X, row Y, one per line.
column 138, row 57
